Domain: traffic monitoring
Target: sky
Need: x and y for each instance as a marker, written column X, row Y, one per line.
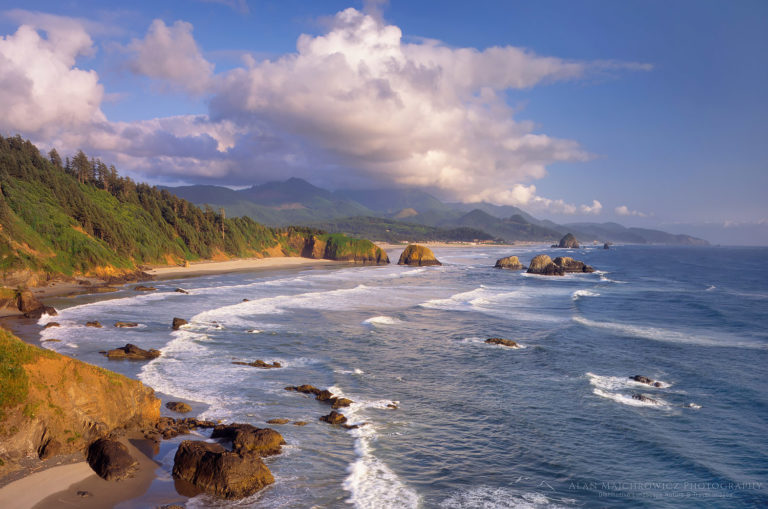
column 645, row 112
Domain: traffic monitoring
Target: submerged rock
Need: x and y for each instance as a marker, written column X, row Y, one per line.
column 111, row 460
column 334, row 418
column 644, row 399
column 95, row 324
column 178, row 406
column 178, row 322
column 418, row 255
column 645, row 380
column 132, row 352
column 568, row 242
column 278, row 421
column 51, row 324
column 258, row 363
column 142, row 288
column 322, row 395
column 503, row 342
column 216, row 471
column 126, row 324
column 509, row 262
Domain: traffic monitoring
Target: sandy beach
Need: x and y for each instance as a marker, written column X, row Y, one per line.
column 237, row 265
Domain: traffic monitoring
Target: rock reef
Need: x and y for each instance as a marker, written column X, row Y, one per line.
column 509, row 262
column 502, row 342
column 132, row 352
column 544, row 265
column 415, row 254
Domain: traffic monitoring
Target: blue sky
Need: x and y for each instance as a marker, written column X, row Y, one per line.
column 643, row 112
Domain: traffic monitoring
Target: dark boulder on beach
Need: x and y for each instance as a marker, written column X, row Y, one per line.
column 246, row 438
column 258, row 363
column 111, row 460
column 126, row 324
column 418, row 255
column 645, row 380
column 178, row 406
column 334, row 418
column 216, row 471
column 94, row 324
column 178, row 322
column 132, row 352
column 502, row 342
column 509, row 262
column 567, row 242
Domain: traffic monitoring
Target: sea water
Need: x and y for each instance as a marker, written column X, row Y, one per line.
column 551, row 424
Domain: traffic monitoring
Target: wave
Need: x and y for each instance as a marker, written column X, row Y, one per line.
column 584, row 293
column 698, row 338
column 509, row 302
column 381, row 320
column 625, row 399
column 613, row 383
column 371, row 483
column 488, row 497
column 710, row 288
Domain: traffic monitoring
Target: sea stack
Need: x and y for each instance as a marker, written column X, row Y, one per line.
column 418, row 255
column 568, row 242
column 509, row 262
column 544, row 265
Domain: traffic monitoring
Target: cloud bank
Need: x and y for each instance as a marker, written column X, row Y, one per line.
column 356, row 104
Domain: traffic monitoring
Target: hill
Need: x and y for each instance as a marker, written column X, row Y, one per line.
column 79, row 217
column 388, row 230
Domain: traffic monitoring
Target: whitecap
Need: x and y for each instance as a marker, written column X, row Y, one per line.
column 692, row 337
column 612, row 383
column 625, row 399
column 583, row 293
column 488, row 497
column 381, row 320
column 710, row 288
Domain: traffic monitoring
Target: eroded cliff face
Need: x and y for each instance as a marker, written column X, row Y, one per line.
column 53, row 404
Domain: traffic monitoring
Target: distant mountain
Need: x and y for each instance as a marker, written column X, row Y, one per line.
column 298, row 202
column 614, row 232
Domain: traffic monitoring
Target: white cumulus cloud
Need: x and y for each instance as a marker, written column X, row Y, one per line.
column 42, row 89
column 170, row 53
column 623, row 210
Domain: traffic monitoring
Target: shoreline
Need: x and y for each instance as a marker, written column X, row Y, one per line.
column 210, row 267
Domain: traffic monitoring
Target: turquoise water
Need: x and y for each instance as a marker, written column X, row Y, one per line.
column 552, row 424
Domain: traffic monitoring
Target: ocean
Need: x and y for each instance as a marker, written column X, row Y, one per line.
column 551, row 424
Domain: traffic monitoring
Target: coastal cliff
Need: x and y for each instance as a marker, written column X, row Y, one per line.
column 341, row 248
column 51, row 404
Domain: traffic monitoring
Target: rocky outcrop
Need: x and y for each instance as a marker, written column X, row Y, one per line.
column 51, row 324
column 178, row 322
column 568, row 242
column 644, row 399
column 178, row 407
column 258, row 363
column 30, row 307
column 168, row 427
column 544, row 265
column 321, row 395
column 607, row 245
column 645, row 380
column 61, row 404
column 214, row 470
column 142, row 288
column 502, row 342
column 415, row 254
column 248, row 439
column 509, row 262
column 570, row 265
column 111, row 460
column 334, row 418
column 278, row 421
column 95, row 324
column 123, row 325
column 181, row 290
column 132, row 352
column 341, row 248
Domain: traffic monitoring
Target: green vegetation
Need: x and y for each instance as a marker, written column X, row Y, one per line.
column 79, row 217
column 341, row 247
column 397, row 231
column 14, row 383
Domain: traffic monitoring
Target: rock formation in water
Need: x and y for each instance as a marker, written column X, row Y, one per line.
column 418, row 255
column 258, row 363
column 345, row 249
column 178, row 407
column 502, row 342
column 132, row 352
column 178, row 322
column 544, row 265
column 509, row 262
column 645, row 380
column 568, row 242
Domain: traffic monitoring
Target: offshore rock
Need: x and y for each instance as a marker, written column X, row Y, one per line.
column 250, row 439
column 334, row 418
column 126, row 324
column 415, row 254
column 178, row 406
column 544, row 265
column 178, row 322
column 570, row 265
column 258, row 363
column 132, row 352
column 502, row 342
column 645, row 380
column 509, row 262
column 568, row 242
